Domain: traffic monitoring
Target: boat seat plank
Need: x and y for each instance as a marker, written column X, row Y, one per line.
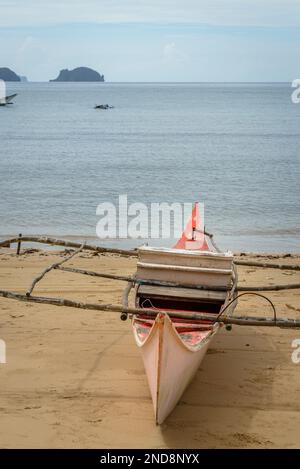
column 184, row 252
column 184, row 268
column 181, row 293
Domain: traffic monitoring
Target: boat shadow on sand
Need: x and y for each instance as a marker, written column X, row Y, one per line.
column 231, row 394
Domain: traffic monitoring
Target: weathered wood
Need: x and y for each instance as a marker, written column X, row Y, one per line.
column 133, row 279
column 50, row 267
column 124, row 252
column 238, row 320
column 127, row 278
column 269, row 265
column 287, row 323
column 69, row 244
column 263, row 255
column 95, row 306
column 290, row 286
column 6, row 244
column 19, row 244
column 125, row 300
column 182, row 293
column 125, row 297
column 123, row 278
column 234, row 291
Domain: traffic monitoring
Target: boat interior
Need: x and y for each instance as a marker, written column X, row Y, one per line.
column 183, row 299
column 190, row 301
column 209, row 270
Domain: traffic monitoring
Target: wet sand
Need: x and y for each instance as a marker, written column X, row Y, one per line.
column 75, row 378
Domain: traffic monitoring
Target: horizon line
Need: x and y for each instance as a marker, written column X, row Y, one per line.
column 151, row 82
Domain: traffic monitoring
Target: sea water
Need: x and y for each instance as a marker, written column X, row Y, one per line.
column 234, row 147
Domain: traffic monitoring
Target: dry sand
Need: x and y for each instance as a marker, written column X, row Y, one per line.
column 75, row 378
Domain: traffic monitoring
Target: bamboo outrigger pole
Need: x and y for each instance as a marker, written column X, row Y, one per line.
column 132, row 279
column 68, row 244
column 50, row 267
column 128, row 253
column 268, row 265
column 115, row 308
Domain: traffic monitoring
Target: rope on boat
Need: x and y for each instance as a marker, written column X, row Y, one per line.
column 250, row 293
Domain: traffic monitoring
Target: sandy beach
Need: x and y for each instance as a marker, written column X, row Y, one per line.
column 75, row 378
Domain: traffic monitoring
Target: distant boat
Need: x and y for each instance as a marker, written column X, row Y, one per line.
column 7, row 99
column 103, row 106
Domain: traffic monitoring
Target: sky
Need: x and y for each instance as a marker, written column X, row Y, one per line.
column 153, row 40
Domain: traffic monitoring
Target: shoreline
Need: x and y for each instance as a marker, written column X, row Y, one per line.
column 131, row 244
column 75, row 378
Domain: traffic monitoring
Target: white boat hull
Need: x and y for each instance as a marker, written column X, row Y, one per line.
column 181, row 280
column 170, row 363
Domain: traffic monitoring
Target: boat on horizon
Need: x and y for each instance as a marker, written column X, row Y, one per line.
column 103, row 106
column 173, row 343
column 7, row 99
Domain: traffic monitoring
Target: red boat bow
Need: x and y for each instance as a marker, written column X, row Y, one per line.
column 193, row 237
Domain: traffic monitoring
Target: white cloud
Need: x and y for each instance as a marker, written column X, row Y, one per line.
column 159, row 53
column 215, row 12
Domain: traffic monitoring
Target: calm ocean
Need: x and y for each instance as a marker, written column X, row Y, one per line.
column 235, row 147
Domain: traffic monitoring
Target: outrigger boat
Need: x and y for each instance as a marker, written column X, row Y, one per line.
column 173, row 348
column 7, row 99
column 103, row 106
column 182, row 297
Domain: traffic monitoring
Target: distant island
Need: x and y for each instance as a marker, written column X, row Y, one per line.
column 7, row 74
column 79, row 74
